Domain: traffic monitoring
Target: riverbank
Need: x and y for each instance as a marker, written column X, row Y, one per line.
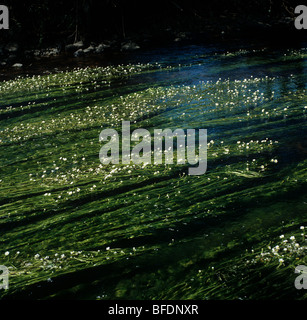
column 21, row 58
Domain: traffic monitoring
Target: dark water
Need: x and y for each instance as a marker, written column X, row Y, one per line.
column 74, row 228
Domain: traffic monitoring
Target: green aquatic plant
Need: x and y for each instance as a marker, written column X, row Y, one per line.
column 290, row 250
column 151, row 231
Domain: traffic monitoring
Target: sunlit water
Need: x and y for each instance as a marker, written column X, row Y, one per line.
column 72, row 227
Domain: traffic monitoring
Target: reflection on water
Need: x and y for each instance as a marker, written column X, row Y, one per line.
column 75, row 228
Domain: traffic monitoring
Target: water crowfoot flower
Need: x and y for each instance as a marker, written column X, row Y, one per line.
column 284, row 252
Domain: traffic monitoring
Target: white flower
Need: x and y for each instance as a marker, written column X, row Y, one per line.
column 292, row 238
column 6, row 253
column 281, row 260
column 302, row 227
column 282, row 236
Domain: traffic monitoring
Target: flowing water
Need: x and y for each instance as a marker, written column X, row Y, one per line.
column 74, row 228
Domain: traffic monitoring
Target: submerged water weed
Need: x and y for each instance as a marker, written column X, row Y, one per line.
column 289, row 250
column 78, row 77
column 64, row 213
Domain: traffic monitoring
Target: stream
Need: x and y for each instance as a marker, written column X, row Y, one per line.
column 74, row 228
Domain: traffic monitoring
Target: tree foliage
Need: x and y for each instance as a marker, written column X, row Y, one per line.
column 46, row 20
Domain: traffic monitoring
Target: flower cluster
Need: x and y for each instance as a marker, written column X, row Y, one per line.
column 285, row 251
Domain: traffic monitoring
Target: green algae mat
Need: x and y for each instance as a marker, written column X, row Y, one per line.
column 74, row 228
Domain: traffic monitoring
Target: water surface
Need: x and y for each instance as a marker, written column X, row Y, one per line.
column 73, row 228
